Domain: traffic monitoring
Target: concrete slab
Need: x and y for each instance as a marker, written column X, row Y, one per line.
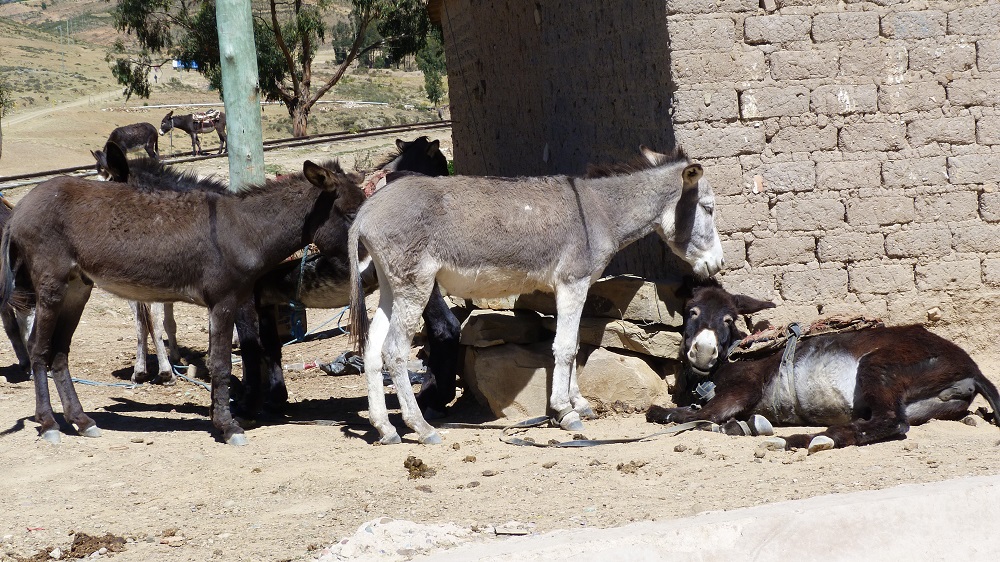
column 949, row 520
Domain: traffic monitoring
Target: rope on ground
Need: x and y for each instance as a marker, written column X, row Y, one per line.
column 507, row 437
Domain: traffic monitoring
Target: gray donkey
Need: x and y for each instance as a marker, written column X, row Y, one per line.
column 487, row 237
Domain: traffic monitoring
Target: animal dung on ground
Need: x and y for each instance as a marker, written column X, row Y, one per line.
column 417, row 468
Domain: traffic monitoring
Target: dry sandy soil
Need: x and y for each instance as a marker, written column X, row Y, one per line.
column 160, row 479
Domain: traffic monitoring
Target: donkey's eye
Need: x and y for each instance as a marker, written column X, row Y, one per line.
column 693, row 313
column 709, row 208
column 729, row 320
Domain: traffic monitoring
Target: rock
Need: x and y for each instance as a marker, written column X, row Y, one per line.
column 513, row 380
column 654, row 340
column 624, row 297
column 485, row 328
column 612, row 381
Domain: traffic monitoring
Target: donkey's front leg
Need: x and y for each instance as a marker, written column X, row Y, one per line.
column 569, row 309
column 220, row 365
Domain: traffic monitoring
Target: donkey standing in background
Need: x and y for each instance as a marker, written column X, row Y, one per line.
column 490, row 237
column 192, row 125
column 136, row 135
column 206, row 247
column 868, row 386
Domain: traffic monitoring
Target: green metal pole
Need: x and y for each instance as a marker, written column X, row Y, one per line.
column 241, row 93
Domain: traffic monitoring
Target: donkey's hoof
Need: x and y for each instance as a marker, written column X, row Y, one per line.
column 820, row 443
column 52, row 436
column 92, row 431
column 139, row 378
column 760, row 426
column 775, row 444
column 571, row 422
column 432, row 438
column 390, row 439
column 587, row 413
column 237, row 440
column 166, row 379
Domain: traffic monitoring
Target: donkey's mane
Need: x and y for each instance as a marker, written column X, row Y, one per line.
column 637, row 164
column 148, row 175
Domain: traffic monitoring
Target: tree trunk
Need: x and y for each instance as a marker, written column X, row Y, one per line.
column 300, row 117
column 241, row 93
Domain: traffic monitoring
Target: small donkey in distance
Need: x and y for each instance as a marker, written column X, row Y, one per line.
column 867, row 386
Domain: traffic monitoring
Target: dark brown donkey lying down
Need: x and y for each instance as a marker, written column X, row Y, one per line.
column 868, row 386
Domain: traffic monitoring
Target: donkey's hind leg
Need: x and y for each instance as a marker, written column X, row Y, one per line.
column 69, row 318
column 407, row 308
column 566, row 400
column 143, row 320
column 378, row 413
column 40, row 351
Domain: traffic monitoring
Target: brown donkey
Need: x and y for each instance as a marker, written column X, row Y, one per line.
column 162, row 245
column 867, row 386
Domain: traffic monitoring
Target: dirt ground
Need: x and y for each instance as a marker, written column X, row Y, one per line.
column 160, row 480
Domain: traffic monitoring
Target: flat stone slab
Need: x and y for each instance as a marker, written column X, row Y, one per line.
column 949, row 520
column 624, row 297
column 513, row 381
column 654, row 340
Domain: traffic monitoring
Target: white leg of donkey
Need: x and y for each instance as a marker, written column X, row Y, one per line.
column 170, row 331
column 158, row 317
column 566, row 400
column 378, row 414
column 139, row 373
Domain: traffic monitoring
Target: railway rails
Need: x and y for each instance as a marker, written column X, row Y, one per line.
column 8, row 182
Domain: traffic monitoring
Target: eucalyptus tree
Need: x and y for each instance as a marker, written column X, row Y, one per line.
column 6, row 105
column 288, row 34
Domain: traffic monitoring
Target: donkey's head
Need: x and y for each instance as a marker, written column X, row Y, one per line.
column 333, row 216
column 710, row 324
column 689, row 227
column 112, row 165
column 167, row 123
column 420, row 155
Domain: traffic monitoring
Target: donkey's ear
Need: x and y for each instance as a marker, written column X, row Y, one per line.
column 691, row 174
column 749, row 305
column 654, row 158
column 319, row 176
column 433, row 148
column 401, row 144
column 117, row 162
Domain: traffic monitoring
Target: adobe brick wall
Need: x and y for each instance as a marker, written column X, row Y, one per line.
column 874, row 129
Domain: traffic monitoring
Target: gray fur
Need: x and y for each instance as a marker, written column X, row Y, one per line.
column 489, row 237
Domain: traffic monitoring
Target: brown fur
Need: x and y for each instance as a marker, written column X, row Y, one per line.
column 905, row 376
column 200, row 246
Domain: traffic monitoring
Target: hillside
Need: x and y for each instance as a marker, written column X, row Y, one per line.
column 67, row 102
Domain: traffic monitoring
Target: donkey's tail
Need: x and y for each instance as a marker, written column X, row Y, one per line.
column 989, row 391
column 6, row 270
column 359, row 313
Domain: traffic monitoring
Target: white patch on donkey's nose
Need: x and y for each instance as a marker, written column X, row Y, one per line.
column 704, row 350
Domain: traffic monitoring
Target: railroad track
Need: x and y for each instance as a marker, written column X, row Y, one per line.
column 8, row 182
